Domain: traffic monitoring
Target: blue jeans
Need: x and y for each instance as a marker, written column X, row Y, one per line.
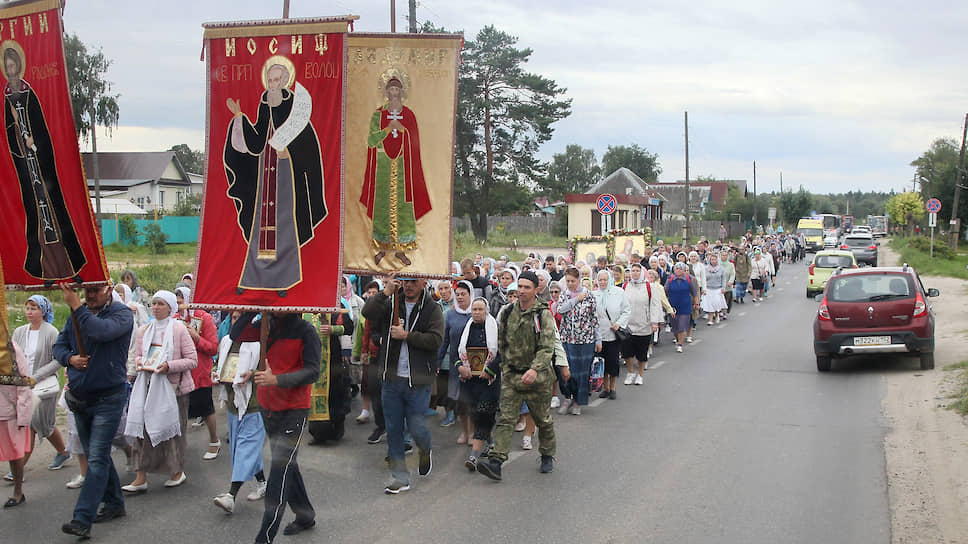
column 580, row 363
column 96, row 426
column 405, row 405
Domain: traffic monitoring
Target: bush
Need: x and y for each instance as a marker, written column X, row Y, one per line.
column 941, row 248
column 127, row 230
column 155, row 238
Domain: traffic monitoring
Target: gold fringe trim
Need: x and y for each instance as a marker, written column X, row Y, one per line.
column 394, row 201
column 276, row 30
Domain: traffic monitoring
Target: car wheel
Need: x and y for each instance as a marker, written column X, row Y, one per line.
column 927, row 361
column 809, row 294
column 823, row 363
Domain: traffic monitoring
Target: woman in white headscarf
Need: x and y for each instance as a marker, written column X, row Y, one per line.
column 448, row 384
column 614, row 311
column 158, row 410
column 480, row 392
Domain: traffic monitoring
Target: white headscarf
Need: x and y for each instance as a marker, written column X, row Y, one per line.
column 490, row 333
column 643, row 274
column 167, row 325
column 470, row 290
column 186, row 295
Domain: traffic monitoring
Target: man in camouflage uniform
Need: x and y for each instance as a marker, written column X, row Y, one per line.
column 526, row 343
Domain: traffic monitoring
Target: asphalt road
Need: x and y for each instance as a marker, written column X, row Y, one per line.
column 739, row 439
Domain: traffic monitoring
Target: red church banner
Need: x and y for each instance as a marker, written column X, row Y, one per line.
column 272, row 210
column 48, row 225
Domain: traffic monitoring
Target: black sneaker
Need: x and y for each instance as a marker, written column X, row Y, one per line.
column 407, row 448
column 396, row 488
column 75, row 528
column 107, row 514
column 603, row 395
column 426, row 462
column 297, row 527
column 490, row 468
column 471, row 463
column 377, row 436
column 612, row 395
column 547, row 464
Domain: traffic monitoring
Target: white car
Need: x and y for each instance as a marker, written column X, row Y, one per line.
column 861, row 229
column 831, row 240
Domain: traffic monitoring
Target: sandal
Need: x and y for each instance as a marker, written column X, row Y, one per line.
column 11, row 502
column 208, row 456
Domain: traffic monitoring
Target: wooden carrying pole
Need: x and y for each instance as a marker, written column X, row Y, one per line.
column 77, row 336
column 263, row 340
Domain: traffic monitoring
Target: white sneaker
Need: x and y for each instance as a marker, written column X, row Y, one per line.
column 76, row 483
column 258, row 492
column 526, row 442
column 226, row 502
column 519, row 427
column 363, row 417
column 555, row 402
column 198, row 422
column 639, row 380
column 565, row 406
column 678, row 348
column 575, row 409
column 668, row 328
column 688, row 339
column 629, row 378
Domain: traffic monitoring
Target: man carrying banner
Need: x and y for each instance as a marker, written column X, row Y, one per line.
column 96, row 394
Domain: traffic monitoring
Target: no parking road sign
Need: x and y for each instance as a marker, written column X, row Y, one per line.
column 607, row 204
column 933, row 205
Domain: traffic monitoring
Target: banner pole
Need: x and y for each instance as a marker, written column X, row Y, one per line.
column 77, row 335
column 263, row 339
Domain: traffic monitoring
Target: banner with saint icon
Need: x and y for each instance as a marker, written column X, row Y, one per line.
column 49, row 231
column 400, row 117
column 271, row 229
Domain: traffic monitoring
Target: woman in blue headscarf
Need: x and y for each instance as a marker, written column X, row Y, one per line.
column 37, row 338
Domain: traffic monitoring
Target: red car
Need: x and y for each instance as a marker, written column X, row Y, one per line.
column 874, row 310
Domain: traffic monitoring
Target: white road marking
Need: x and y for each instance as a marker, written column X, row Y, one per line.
column 721, row 326
column 653, row 366
column 596, row 402
column 741, row 314
column 779, row 288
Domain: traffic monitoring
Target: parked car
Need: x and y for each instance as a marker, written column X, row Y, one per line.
column 862, row 246
column 874, row 310
column 823, row 266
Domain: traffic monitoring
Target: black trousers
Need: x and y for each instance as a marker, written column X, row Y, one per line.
column 375, row 390
column 285, row 484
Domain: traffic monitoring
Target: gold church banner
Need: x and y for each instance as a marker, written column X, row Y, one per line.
column 401, row 99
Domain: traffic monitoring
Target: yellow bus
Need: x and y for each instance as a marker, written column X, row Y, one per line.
column 812, row 231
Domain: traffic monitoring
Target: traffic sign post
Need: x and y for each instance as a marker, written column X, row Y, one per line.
column 607, row 204
column 933, row 206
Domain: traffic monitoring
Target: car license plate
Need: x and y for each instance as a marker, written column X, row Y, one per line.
column 872, row 341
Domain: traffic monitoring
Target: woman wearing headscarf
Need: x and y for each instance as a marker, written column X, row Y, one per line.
column 448, row 383
column 614, row 312
column 481, row 393
column 37, row 339
column 158, row 409
column 741, row 261
column 581, row 339
column 698, row 272
column 201, row 407
column 544, row 278
column 713, row 302
column 759, row 273
column 684, row 297
column 499, row 295
column 645, row 316
column 726, row 261
column 16, row 406
column 128, row 298
column 129, row 278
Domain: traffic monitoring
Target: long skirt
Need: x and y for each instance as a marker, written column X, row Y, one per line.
column 713, row 301
column 681, row 323
column 246, row 437
column 14, row 440
column 167, row 457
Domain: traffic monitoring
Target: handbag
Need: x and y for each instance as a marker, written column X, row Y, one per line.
column 622, row 333
column 48, row 387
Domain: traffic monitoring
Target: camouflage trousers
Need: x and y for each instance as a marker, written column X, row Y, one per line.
column 538, row 400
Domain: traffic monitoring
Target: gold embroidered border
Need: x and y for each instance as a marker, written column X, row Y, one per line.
column 29, row 8
column 394, row 201
column 279, row 29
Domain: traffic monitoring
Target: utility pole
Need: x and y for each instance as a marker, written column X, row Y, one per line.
column 685, row 226
column 413, row 16
column 955, row 222
column 781, row 182
column 393, row 15
column 754, row 196
column 285, row 9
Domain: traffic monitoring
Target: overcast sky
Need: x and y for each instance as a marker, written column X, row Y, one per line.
column 837, row 95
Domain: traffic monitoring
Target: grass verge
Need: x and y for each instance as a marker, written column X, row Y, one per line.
column 960, row 402
column 911, row 252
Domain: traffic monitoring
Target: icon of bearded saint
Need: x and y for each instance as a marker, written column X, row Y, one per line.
column 275, row 174
column 53, row 250
column 394, row 189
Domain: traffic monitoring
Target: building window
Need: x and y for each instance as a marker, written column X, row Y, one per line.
column 141, row 202
column 161, row 199
column 596, row 223
column 178, row 197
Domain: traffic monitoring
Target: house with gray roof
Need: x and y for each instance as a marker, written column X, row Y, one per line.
column 153, row 180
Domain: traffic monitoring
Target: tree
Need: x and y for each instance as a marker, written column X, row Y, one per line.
column 189, row 205
column 635, row 158
column 573, row 171
column 91, row 98
column 504, row 115
column 906, row 209
column 937, row 168
column 792, row 206
column 191, row 160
